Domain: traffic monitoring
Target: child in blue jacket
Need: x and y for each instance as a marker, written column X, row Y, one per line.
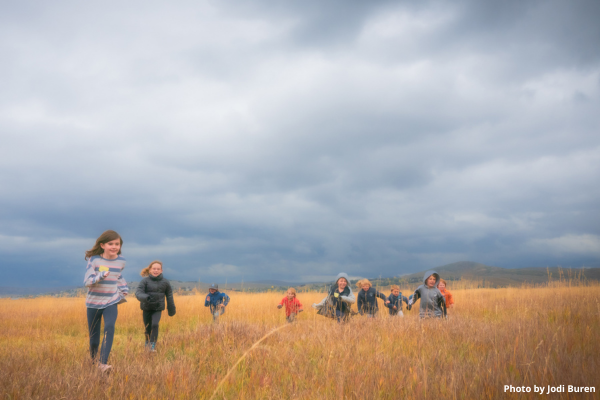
column 217, row 301
column 395, row 300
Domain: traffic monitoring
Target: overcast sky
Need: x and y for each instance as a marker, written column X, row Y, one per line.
column 295, row 140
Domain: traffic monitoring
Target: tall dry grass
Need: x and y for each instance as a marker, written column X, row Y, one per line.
column 494, row 337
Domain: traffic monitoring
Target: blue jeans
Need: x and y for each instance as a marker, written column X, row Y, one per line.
column 94, row 317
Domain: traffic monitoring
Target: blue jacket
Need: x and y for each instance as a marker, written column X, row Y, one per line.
column 214, row 299
column 396, row 301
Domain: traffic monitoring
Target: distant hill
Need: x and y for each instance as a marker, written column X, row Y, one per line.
column 463, row 270
column 500, row 277
column 8, row 291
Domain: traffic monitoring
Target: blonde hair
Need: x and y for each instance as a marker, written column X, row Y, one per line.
column 292, row 290
column 365, row 282
column 359, row 284
column 394, row 287
column 146, row 271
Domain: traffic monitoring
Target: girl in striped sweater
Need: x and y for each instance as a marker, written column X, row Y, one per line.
column 106, row 289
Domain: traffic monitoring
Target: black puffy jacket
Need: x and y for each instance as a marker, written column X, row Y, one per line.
column 151, row 293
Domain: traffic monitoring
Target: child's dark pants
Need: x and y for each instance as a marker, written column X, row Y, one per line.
column 151, row 320
column 94, row 316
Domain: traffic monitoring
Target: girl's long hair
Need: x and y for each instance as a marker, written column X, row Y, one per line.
column 146, row 271
column 107, row 236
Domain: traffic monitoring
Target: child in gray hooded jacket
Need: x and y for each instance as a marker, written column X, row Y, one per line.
column 433, row 303
column 338, row 302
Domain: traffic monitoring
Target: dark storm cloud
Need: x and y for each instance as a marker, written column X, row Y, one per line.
column 295, row 140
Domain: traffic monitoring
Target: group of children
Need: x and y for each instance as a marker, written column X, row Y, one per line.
column 107, row 288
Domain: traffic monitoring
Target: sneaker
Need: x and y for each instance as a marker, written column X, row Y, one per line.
column 104, row 368
column 153, row 347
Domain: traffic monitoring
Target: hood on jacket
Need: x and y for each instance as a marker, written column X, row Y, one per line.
column 428, row 274
column 342, row 275
column 335, row 284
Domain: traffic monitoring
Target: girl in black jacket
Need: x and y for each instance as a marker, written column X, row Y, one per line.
column 151, row 293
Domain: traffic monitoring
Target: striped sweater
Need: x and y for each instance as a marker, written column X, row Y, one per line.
column 104, row 292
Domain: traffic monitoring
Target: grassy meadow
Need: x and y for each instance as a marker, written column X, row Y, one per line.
column 493, row 337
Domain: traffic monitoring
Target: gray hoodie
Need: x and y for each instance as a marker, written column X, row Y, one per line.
column 349, row 299
column 433, row 303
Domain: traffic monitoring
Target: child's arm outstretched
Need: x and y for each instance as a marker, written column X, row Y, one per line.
column 170, row 301
column 408, row 306
column 382, row 297
column 225, row 300
column 350, row 299
column 415, row 296
column 442, row 304
column 320, row 305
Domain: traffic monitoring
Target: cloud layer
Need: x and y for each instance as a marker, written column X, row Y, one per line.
column 246, row 140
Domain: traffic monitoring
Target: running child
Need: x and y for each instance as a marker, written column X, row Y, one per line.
column 338, row 302
column 447, row 295
column 151, row 293
column 106, row 289
column 433, row 303
column 367, row 298
column 217, row 301
column 395, row 300
column 292, row 305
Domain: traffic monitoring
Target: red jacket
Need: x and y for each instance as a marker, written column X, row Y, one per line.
column 448, row 296
column 291, row 306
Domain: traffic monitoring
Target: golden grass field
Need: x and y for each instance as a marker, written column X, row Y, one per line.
column 493, row 337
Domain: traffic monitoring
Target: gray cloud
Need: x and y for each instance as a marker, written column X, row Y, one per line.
column 296, row 140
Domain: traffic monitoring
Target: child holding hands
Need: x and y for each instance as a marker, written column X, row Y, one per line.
column 292, row 305
column 338, row 302
column 367, row 299
column 446, row 293
column 433, row 303
column 394, row 303
column 151, row 292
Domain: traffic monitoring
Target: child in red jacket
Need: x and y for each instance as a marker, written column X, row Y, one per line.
column 446, row 293
column 292, row 305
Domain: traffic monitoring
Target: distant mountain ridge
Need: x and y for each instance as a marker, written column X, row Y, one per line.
column 500, row 277
column 462, row 270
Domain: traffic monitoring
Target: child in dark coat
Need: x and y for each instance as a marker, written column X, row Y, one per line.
column 367, row 299
column 395, row 300
column 151, row 292
column 217, row 301
column 338, row 302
